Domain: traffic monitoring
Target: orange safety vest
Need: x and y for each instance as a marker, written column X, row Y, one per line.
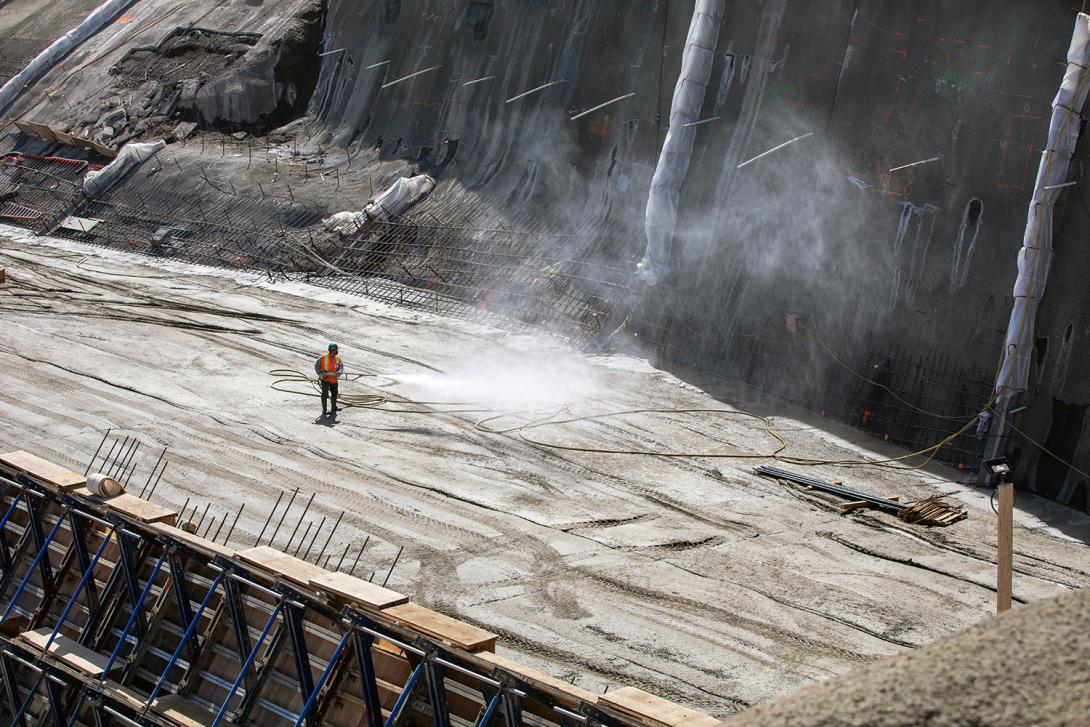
column 330, row 364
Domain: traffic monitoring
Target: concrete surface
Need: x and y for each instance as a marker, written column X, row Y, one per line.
column 689, row 577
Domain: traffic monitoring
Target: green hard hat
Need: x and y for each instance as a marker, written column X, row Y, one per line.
column 332, row 346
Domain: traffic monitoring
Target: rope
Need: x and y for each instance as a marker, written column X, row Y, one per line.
column 288, row 381
column 290, row 377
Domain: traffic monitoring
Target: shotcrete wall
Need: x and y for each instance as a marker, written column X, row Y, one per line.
column 923, row 255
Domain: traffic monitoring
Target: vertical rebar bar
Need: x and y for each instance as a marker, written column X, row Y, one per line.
column 234, row 522
column 317, row 532
column 282, row 515
column 392, row 566
column 299, row 521
column 330, row 536
column 303, row 539
column 357, row 561
column 95, row 455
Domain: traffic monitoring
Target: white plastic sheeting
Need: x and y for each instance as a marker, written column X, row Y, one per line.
column 48, row 58
column 345, row 223
column 677, row 149
column 130, row 156
column 397, row 197
column 1036, row 254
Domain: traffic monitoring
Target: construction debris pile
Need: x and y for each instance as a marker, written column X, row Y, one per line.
column 930, row 511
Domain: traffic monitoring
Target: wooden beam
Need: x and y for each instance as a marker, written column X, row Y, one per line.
column 434, row 624
column 1005, row 543
column 41, row 470
column 654, row 710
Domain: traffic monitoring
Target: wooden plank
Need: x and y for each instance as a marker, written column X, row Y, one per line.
column 41, row 470
column 133, row 507
column 39, row 130
column 1005, row 545
column 101, row 149
column 434, row 624
column 540, row 679
column 69, row 651
column 63, row 138
column 183, row 712
column 79, row 224
column 197, row 542
column 654, row 710
column 357, row 590
column 281, row 564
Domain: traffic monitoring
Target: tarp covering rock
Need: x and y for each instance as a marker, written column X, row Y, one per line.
column 399, row 196
column 677, row 150
column 395, row 200
column 130, row 156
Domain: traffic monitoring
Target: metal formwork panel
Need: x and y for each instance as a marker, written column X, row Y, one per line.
column 107, row 620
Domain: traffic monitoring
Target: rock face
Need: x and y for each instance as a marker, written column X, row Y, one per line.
column 1028, row 667
column 220, row 78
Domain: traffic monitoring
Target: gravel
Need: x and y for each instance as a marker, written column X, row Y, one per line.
column 1030, row 666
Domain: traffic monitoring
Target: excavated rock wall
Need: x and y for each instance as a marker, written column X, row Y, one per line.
column 924, row 256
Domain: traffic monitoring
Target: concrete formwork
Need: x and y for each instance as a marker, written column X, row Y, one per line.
column 112, row 611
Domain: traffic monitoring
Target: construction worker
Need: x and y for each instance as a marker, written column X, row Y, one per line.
column 329, row 369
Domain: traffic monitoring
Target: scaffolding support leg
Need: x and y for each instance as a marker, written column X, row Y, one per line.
column 293, row 618
column 181, row 595
column 308, row 704
column 54, row 689
column 512, row 710
column 363, row 642
column 11, row 687
column 238, row 619
column 403, row 698
column 437, row 694
column 246, row 666
column 185, row 638
column 40, row 560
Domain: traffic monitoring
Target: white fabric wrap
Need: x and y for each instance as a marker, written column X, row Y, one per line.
column 692, row 83
column 1035, row 257
column 398, row 196
column 49, row 57
column 130, row 156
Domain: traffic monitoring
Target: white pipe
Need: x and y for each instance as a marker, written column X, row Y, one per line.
column 775, row 148
column 702, row 121
column 915, row 164
column 478, row 80
column 534, row 90
column 602, row 106
column 61, row 47
column 411, row 75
